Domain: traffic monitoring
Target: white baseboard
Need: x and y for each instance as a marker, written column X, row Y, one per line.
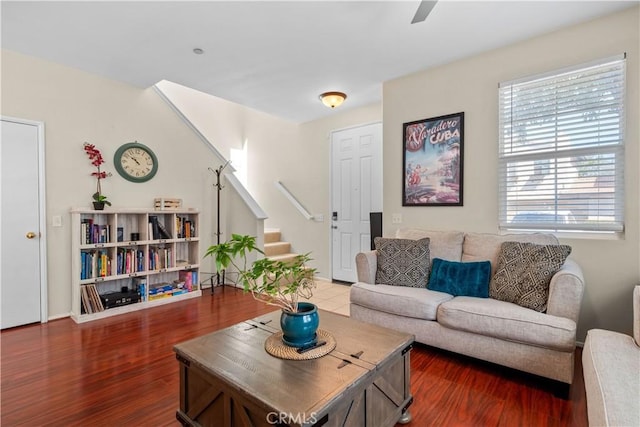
column 58, row 316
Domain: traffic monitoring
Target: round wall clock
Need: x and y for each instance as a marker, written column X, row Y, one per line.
column 135, row 162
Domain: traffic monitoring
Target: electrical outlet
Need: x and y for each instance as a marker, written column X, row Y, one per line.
column 396, row 218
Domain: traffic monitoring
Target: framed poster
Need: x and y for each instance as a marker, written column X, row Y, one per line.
column 432, row 161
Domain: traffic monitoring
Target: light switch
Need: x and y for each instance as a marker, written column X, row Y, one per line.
column 396, row 218
column 56, row 221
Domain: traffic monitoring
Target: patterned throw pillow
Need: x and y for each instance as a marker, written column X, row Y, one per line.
column 402, row 262
column 524, row 272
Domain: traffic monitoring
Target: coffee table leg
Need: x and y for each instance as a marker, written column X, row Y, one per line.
column 405, row 417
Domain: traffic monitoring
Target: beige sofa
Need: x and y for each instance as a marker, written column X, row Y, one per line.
column 611, row 369
column 484, row 328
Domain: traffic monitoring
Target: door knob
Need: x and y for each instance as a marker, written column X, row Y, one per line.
column 31, row 235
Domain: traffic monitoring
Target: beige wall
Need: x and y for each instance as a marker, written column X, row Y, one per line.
column 471, row 85
column 298, row 155
column 76, row 107
column 305, row 171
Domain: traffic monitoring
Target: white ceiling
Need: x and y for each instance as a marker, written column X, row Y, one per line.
column 277, row 57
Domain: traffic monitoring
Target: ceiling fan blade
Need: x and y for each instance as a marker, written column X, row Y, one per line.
column 423, row 10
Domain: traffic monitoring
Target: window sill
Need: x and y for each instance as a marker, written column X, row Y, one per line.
column 578, row 235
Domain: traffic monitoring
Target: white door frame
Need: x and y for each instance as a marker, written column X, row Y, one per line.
column 42, row 213
column 331, row 175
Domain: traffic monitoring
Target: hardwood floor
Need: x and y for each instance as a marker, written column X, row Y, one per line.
column 122, row 371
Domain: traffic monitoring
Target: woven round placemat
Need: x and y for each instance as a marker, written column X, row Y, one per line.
column 277, row 348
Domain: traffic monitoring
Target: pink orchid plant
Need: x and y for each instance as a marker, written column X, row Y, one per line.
column 96, row 160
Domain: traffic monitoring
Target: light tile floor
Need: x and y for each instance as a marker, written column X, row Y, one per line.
column 331, row 297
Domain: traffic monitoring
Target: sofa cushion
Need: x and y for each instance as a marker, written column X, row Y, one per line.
column 524, row 271
column 486, row 247
column 418, row 303
column 460, row 278
column 443, row 244
column 402, row 262
column 507, row 321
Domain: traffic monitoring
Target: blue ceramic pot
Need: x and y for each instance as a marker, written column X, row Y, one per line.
column 299, row 329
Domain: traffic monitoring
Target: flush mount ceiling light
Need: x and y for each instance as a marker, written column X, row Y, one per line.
column 333, row 99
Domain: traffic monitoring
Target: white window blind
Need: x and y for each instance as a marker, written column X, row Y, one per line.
column 561, row 149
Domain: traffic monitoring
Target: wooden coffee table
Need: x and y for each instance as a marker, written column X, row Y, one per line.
column 228, row 379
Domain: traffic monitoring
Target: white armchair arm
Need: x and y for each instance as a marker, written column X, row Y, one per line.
column 366, row 265
column 565, row 291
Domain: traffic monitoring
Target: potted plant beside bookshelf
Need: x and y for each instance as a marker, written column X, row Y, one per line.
column 278, row 283
column 99, row 199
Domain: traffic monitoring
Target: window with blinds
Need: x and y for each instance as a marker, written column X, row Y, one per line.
column 561, row 150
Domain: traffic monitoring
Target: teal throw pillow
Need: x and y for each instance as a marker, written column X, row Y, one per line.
column 460, row 278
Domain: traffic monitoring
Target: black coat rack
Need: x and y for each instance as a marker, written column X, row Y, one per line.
column 219, row 277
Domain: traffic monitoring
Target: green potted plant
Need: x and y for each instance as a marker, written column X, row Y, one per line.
column 278, row 283
column 99, row 199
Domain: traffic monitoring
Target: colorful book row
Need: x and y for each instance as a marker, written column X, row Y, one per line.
column 130, row 261
column 94, row 264
column 160, row 258
column 91, row 233
column 185, row 227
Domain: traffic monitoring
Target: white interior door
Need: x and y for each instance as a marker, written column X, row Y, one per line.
column 21, row 275
column 356, row 174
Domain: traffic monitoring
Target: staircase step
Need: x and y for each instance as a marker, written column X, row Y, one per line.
column 277, row 248
column 284, row 257
column 271, row 235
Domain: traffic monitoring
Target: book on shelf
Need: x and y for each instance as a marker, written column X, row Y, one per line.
column 96, row 298
column 86, row 304
column 158, row 230
column 159, row 296
column 187, row 278
column 91, row 299
column 160, row 258
column 95, row 264
column 160, row 290
column 85, row 227
column 163, row 231
column 129, row 260
column 153, row 228
column 185, row 228
column 140, row 284
column 91, row 233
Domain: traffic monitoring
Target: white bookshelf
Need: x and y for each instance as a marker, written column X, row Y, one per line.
column 99, row 258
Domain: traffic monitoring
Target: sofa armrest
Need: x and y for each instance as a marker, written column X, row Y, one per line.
column 366, row 265
column 565, row 291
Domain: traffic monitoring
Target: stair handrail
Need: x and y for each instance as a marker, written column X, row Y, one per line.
column 284, row 190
